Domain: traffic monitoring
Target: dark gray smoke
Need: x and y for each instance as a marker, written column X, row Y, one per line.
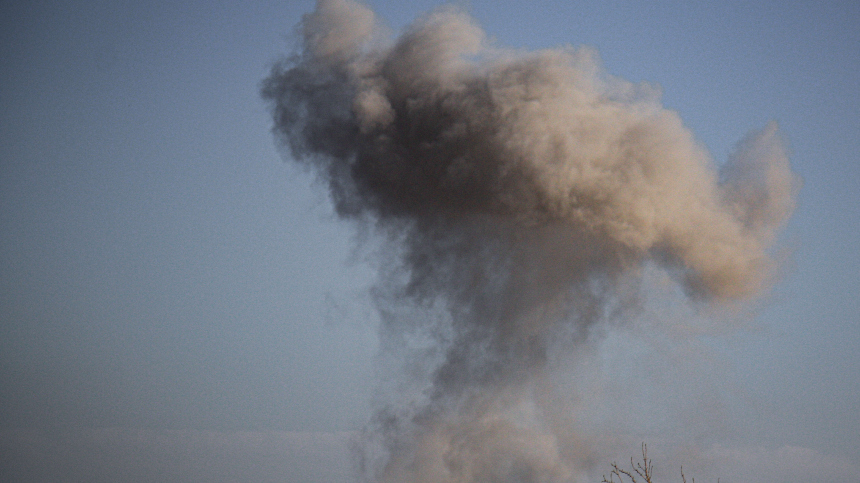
column 521, row 194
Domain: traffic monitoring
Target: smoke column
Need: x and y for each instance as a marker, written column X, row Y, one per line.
column 519, row 196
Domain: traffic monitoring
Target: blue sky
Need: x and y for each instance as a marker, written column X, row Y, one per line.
column 166, row 276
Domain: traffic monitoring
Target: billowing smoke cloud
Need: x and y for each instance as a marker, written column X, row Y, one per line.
column 520, row 194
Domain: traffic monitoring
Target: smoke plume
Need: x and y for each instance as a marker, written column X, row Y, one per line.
column 520, row 195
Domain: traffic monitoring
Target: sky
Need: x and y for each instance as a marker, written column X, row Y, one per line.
column 179, row 301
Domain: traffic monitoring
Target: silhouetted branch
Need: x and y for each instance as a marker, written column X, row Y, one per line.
column 641, row 469
column 640, row 472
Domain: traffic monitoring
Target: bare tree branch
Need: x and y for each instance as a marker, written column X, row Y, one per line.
column 639, row 472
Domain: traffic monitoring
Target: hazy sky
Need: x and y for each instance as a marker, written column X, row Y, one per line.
column 178, row 303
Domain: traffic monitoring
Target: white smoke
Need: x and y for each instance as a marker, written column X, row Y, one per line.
column 521, row 194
